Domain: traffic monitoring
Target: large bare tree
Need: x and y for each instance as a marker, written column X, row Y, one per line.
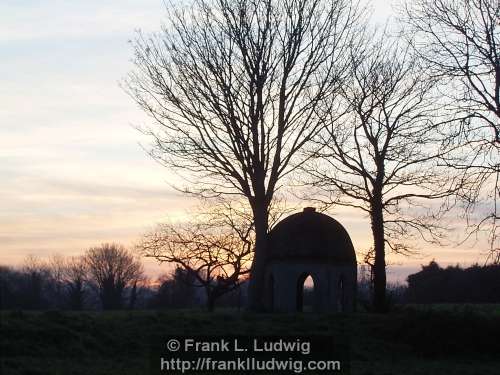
column 460, row 42
column 234, row 88
column 382, row 156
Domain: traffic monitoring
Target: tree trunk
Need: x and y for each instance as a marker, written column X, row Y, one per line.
column 256, row 284
column 379, row 276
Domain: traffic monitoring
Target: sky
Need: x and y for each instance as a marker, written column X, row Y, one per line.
column 72, row 169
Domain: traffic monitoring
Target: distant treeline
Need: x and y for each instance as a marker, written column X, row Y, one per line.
column 104, row 278
column 81, row 284
column 107, row 278
column 40, row 289
column 433, row 284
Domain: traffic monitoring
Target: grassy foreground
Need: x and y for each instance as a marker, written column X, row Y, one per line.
column 410, row 341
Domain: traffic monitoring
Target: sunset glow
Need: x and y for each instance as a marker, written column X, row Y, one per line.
column 72, row 167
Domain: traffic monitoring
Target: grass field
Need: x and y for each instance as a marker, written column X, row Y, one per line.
column 444, row 339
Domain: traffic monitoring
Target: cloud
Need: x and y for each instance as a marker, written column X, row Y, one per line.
column 47, row 19
column 72, row 172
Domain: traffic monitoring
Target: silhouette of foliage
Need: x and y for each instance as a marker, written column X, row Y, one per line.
column 475, row 284
column 112, row 268
column 175, row 291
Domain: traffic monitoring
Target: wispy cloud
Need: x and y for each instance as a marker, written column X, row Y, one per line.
column 72, row 173
column 47, row 19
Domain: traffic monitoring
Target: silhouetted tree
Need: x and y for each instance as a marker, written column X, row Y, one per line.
column 10, row 281
column 382, row 156
column 133, row 296
column 112, row 268
column 235, row 88
column 215, row 249
column 34, row 283
column 56, row 265
column 75, row 276
column 475, row 284
column 460, row 42
column 176, row 290
column 31, row 286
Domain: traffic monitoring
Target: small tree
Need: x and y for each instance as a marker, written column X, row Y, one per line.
column 56, row 267
column 215, row 249
column 112, row 268
column 11, row 281
column 75, row 276
column 176, row 290
column 34, row 283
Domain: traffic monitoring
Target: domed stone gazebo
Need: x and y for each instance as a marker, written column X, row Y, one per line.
column 310, row 244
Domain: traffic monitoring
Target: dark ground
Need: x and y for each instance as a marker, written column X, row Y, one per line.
column 415, row 340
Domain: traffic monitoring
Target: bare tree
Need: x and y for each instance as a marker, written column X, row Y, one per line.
column 35, row 283
column 56, row 265
column 215, row 249
column 234, row 88
column 382, row 157
column 460, row 42
column 112, row 268
column 75, row 276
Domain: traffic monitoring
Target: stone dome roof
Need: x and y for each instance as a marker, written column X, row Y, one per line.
column 310, row 236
